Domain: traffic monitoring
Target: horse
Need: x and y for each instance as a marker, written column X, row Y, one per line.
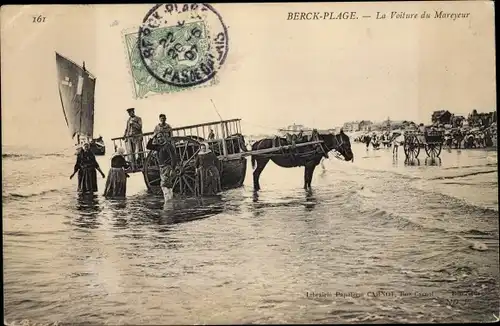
column 308, row 156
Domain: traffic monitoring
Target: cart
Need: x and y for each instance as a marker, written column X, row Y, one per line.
column 228, row 144
column 431, row 141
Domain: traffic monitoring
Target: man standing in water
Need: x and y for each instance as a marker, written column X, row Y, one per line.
column 133, row 143
column 160, row 144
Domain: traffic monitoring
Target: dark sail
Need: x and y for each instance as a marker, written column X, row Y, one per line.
column 76, row 90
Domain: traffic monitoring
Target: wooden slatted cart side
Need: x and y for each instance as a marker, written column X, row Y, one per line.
column 186, row 140
column 223, row 143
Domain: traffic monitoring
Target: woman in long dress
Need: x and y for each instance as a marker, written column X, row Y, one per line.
column 208, row 181
column 116, row 184
column 86, row 166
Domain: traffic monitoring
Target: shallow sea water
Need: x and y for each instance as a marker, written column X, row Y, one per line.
column 345, row 252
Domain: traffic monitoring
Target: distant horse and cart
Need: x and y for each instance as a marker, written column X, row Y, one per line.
column 431, row 141
column 230, row 149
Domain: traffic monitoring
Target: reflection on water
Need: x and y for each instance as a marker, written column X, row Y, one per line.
column 434, row 161
column 412, row 162
column 88, row 208
column 310, row 200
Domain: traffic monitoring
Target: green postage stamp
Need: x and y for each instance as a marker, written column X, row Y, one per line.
column 177, row 47
column 144, row 84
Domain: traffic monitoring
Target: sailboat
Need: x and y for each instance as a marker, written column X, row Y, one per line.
column 76, row 90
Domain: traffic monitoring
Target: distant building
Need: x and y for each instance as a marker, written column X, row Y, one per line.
column 365, row 125
column 389, row 124
column 396, row 124
column 295, row 128
column 441, row 117
column 351, row 126
column 408, row 125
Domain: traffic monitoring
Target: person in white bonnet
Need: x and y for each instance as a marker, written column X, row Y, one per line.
column 208, row 181
column 116, row 184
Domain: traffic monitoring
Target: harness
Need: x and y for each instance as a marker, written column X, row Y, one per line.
column 340, row 144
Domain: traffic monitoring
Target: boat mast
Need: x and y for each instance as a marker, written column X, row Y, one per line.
column 81, row 97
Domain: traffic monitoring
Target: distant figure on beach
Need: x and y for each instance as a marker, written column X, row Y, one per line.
column 116, row 184
column 163, row 127
column 207, row 174
column 86, row 166
column 211, row 135
column 133, row 130
column 395, row 144
column 421, row 128
column 368, row 140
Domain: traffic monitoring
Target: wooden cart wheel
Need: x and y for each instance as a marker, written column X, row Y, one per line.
column 438, row 148
column 151, row 171
column 406, row 146
column 411, row 147
column 433, row 150
column 429, row 150
column 186, row 149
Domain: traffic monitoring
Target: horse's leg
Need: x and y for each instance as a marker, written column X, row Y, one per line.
column 311, row 173
column 261, row 164
column 306, row 175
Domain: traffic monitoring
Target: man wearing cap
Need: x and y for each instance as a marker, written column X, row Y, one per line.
column 134, row 141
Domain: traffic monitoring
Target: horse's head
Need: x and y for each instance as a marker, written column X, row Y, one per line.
column 340, row 143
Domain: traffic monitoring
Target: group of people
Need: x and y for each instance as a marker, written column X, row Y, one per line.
column 479, row 137
column 208, row 181
column 471, row 138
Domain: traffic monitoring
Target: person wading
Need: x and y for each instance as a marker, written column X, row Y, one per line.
column 396, row 141
column 116, row 184
column 165, row 152
column 86, row 166
column 163, row 127
column 133, row 131
column 208, row 181
column 368, row 140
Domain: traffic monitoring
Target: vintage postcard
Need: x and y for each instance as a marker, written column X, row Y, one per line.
column 237, row 163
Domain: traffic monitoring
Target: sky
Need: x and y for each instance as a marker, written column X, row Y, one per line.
column 320, row 73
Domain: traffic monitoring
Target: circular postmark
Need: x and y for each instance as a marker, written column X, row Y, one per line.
column 183, row 44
